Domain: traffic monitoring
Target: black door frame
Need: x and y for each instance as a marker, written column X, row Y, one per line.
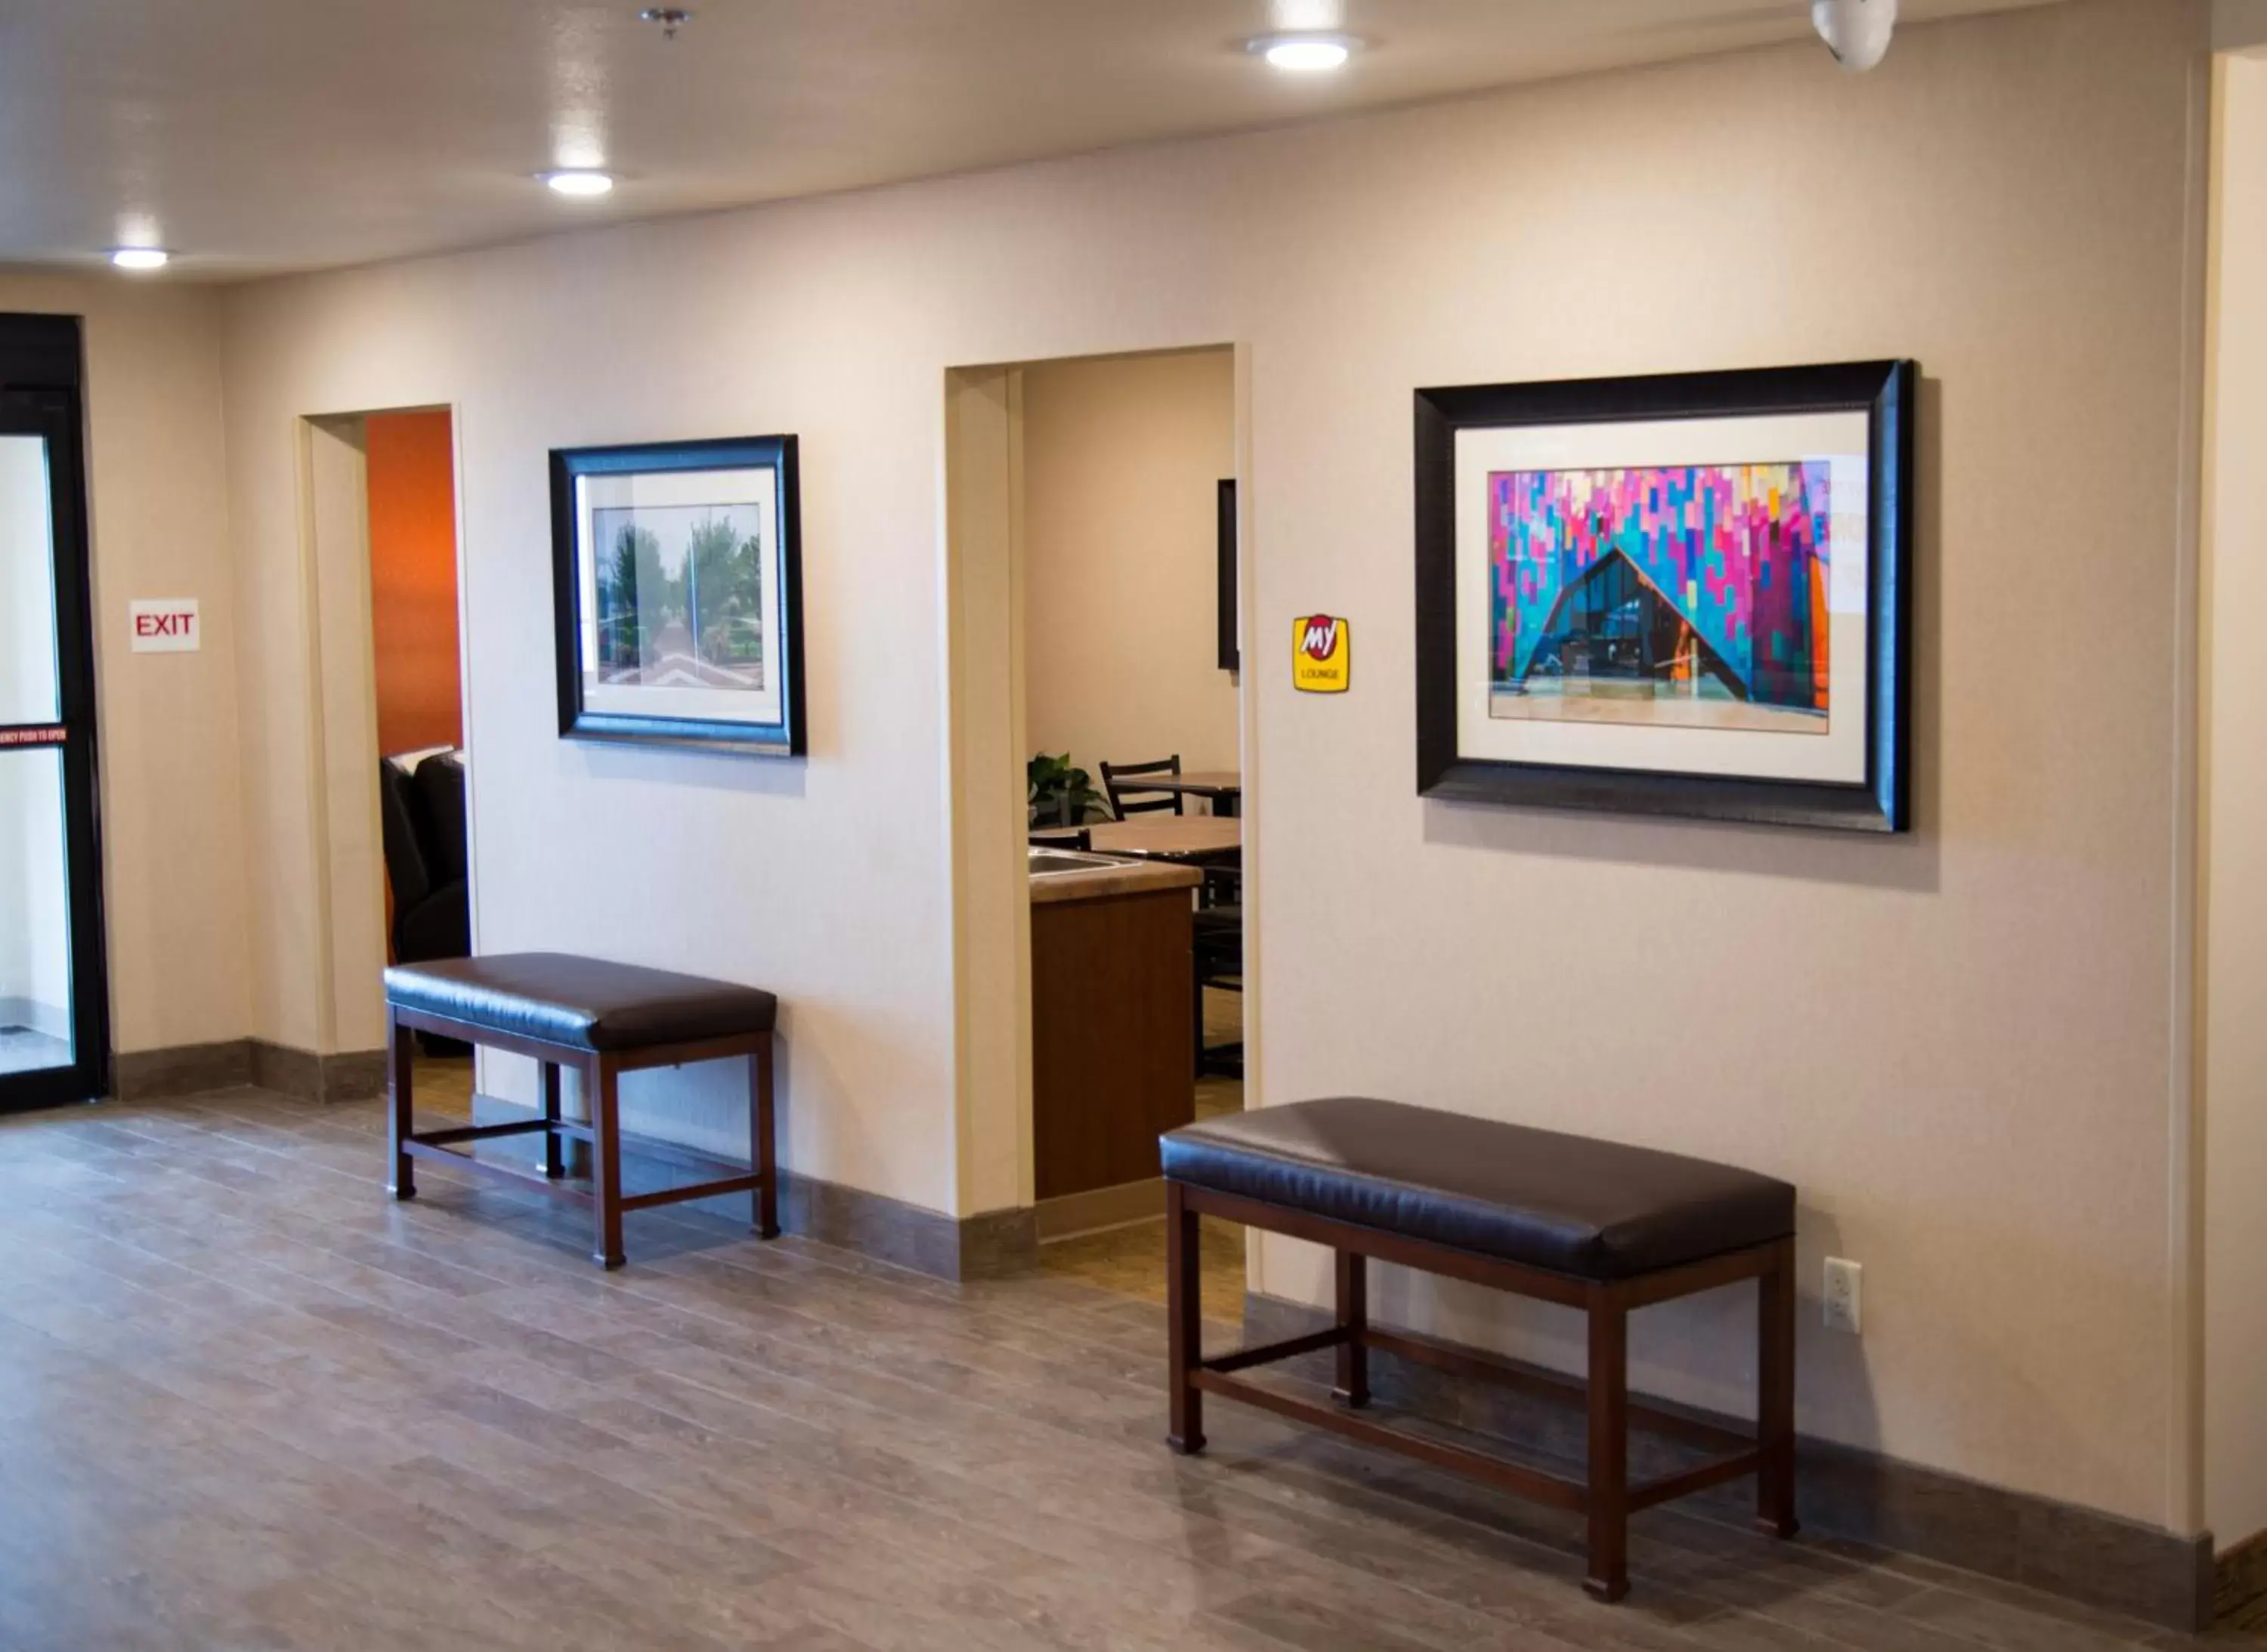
column 41, row 394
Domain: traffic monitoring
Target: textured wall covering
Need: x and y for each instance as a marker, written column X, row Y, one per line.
column 1961, row 1046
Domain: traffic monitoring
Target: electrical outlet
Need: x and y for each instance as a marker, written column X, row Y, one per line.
column 1843, row 1281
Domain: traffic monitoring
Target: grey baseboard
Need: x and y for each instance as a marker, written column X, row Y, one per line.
column 185, row 1070
column 2077, row 1553
column 347, row 1075
column 993, row 1245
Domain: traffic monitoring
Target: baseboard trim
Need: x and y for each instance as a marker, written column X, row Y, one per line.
column 2239, row 1575
column 1068, row 1215
column 2077, row 1553
column 182, row 1069
column 345, row 1076
column 994, row 1245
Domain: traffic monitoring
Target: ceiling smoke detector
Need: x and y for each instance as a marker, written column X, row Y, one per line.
column 671, row 19
column 1857, row 32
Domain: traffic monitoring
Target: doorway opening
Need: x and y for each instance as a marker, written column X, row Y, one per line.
column 392, row 820
column 1100, row 752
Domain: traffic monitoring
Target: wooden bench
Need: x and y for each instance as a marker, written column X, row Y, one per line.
column 1592, row 1225
column 603, row 1020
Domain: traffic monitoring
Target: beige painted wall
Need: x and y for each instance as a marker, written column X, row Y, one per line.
column 2235, row 824
column 1961, row 1046
column 172, row 819
column 1122, row 461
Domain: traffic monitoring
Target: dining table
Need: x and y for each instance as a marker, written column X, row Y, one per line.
column 1195, row 839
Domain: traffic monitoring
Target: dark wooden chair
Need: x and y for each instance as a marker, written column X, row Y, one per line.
column 1216, row 947
column 1126, row 800
column 1076, row 838
column 1596, row 1226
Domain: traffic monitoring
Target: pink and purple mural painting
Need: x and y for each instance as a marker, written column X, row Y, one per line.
column 1658, row 594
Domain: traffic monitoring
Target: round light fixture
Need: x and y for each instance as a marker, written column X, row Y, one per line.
column 579, row 181
column 1303, row 53
column 1857, row 32
column 140, row 257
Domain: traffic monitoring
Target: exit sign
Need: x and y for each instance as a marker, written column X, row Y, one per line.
column 165, row 626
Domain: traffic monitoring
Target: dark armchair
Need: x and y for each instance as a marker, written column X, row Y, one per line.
column 422, row 814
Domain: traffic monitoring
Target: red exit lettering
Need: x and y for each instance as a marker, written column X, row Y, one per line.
column 161, row 625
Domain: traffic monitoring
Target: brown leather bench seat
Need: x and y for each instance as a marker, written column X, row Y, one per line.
column 562, row 998
column 602, row 1019
column 1592, row 1209
column 1599, row 1226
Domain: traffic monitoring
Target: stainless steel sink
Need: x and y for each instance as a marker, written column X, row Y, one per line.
column 1060, row 862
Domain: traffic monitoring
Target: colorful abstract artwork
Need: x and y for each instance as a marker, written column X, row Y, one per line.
column 1682, row 595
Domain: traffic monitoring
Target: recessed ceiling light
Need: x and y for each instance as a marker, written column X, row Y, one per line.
column 579, row 181
column 1303, row 53
column 139, row 257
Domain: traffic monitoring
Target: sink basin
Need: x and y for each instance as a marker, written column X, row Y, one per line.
column 1060, row 862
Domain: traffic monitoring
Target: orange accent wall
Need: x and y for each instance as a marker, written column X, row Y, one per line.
column 413, row 579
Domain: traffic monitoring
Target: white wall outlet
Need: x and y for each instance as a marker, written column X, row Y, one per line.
column 1843, row 1281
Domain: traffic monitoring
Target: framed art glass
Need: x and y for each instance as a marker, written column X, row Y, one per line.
column 1684, row 595
column 678, row 589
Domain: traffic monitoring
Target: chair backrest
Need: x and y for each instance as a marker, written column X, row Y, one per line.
column 1132, row 799
column 406, row 871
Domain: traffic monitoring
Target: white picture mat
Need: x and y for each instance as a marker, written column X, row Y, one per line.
column 1837, row 757
column 756, row 485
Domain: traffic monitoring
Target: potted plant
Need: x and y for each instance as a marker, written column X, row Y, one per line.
column 1059, row 794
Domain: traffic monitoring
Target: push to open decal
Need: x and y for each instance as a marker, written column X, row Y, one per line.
column 1321, row 655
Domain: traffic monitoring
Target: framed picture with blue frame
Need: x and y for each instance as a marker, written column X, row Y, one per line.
column 678, row 591
column 1678, row 595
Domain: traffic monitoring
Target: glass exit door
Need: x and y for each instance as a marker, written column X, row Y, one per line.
column 54, row 1036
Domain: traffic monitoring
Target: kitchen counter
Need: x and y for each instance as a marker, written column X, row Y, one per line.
column 1113, row 1017
column 1119, row 878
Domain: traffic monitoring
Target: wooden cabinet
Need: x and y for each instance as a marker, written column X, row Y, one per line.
column 1112, row 1032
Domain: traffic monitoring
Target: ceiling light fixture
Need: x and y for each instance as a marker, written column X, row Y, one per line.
column 1857, row 32
column 579, row 181
column 140, row 257
column 1303, row 53
column 671, row 19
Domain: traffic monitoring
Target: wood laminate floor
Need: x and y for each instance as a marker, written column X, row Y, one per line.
column 248, row 1402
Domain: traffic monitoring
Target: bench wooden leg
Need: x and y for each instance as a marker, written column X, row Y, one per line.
column 762, row 1153
column 1775, row 1307
column 555, row 1159
column 603, row 1085
column 1184, row 1322
column 1609, row 1466
column 1354, row 1317
column 400, row 1114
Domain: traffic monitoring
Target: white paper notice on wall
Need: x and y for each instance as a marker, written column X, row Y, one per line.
column 166, row 625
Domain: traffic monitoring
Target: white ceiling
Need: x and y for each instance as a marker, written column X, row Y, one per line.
column 259, row 135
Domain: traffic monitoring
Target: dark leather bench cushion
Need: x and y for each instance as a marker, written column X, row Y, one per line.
column 1596, row 1210
column 563, row 999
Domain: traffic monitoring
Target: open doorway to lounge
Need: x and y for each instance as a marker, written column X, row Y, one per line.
column 1101, row 763
column 390, row 817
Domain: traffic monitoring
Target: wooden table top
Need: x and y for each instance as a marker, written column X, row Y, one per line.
column 1201, row 781
column 1170, row 837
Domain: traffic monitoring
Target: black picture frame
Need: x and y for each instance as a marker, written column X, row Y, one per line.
column 783, row 735
column 1227, row 619
column 1885, row 391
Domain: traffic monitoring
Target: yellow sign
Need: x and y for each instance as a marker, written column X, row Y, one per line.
column 1321, row 655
